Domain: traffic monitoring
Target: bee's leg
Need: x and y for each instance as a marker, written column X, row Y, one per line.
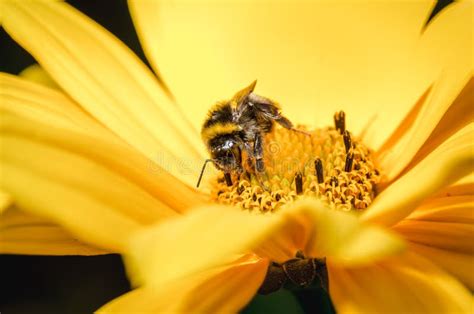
column 259, row 164
column 249, row 150
column 239, row 171
column 228, row 178
column 284, row 122
column 258, row 153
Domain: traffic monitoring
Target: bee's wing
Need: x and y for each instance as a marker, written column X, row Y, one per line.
column 241, row 95
column 251, row 104
column 246, row 103
column 269, row 110
column 264, row 106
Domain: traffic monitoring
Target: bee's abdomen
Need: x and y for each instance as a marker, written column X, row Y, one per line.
column 221, row 113
column 219, row 122
column 218, row 130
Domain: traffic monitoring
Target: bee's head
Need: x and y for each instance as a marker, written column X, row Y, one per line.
column 227, row 155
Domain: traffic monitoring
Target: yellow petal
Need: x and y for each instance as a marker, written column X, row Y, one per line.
column 205, row 238
column 458, row 116
column 444, row 223
column 295, row 235
column 35, row 73
column 102, row 206
column 22, row 233
column 5, row 200
column 146, row 7
column 231, row 289
column 448, row 163
column 433, row 230
column 69, row 168
column 38, row 103
column 406, row 284
column 452, row 236
column 313, row 57
column 89, row 220
column 467, row 180
column 454, row 74
column 210, row 235
column 107, row 80
column 223, row 290
column 452, row 208
column 458, row 189
column 455, row 263
column 24, row 103
column 343, row 239
column 320, row 232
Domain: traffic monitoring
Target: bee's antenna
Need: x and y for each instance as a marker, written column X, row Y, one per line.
column 202, row 171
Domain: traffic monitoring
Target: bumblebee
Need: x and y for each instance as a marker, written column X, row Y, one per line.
column 237, row 125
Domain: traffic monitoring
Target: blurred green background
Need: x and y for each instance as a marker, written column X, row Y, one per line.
column 75, row 284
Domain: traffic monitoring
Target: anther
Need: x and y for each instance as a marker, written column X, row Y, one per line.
column 299, row 183
column 340, row 121
column 240, row 189
column 318, row 165
column 347, row 140
column 334, row 180
column 349, row 160
column 228, row 179
column 278, row 196
column 375, row 190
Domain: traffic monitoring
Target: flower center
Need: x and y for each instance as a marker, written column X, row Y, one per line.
column 327, row 163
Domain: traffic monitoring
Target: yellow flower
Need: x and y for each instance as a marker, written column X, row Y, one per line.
column 109, row 153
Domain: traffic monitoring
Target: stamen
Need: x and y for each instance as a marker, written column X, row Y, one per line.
column 319, row 170
column 299, row 183
column 349, row 160
column 340, row 121
column 240, row 189
column 333, row 181
column 347, row 140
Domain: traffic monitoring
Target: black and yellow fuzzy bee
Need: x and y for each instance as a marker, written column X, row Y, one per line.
column 238, row 125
